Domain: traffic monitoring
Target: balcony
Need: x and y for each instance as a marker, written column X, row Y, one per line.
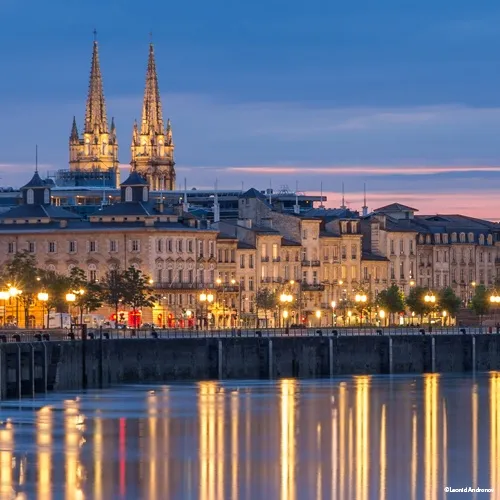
column 182, row 286
column 306, row 287
column 276, row 259
column 311, row 263
column 264, row 259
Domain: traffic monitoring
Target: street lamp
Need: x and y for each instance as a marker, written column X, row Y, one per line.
column 70, row 299
column 495, row 298
column 43, row 297
column 361, row 299
column 381, row 314
column 430, row 298
column 15, row 292
column 334, row 305
column 318, row 315
column 205, row 299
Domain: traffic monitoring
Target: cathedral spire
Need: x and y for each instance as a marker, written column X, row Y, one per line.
column 95, row 113
column 74, row 132
column 152, row 116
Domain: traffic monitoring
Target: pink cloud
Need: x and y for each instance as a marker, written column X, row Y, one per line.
column 468, row 203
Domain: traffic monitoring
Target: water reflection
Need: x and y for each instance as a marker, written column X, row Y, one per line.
column 359, row 438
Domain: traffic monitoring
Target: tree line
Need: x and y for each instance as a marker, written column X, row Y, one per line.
column 117, row 288
column 393, row 301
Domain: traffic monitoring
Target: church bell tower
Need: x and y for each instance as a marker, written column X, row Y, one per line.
column 152, row 144
column 95, row 152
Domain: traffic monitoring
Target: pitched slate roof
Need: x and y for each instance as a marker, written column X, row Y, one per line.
column 38, row 212
column 395, row 207
column 134, row 179
column 35, row 182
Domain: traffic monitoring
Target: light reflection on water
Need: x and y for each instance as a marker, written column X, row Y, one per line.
column 355, row 439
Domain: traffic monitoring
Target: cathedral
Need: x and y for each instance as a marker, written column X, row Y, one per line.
column 93, row 155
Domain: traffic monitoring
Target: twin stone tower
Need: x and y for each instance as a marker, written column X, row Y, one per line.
column 94, row 152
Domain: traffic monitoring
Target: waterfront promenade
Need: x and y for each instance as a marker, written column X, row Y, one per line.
column 31, row 367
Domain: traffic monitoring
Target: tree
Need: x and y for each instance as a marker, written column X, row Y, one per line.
column 480, row 302
column 56, row 285
column 267, row 300
column 20, row 273
column 87, row 293
column 416, row 302
column 391, row 300
column 137, row 292
column 113, row 290
column 449, row 301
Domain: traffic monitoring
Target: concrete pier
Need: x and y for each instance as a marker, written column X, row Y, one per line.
column 32, row 368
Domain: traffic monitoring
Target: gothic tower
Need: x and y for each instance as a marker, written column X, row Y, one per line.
column 152, row 146
column 96, row 151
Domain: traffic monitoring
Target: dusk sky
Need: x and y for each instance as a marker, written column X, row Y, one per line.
column 404, row 98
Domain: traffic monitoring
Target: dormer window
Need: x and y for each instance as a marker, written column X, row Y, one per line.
column 144, row 193
column 128, row 193
column 30, row 197
column 46, row 196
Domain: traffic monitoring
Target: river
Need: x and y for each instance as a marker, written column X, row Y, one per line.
column 359, row 438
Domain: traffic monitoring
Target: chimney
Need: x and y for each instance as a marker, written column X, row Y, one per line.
column 266, row 222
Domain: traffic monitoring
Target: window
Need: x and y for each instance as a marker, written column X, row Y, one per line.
column 46, row 196
column 250, row 261
column 275, row 251
column 354, row 273
column 31, row 247
column 200, row 248
column 135, row 246
column 315, row 277
column 211, row 249
column 481, row 256
column 462, row 275
column 92, row 246
column 92, row 272
column 304, row 234
column 354, row 252
column 201, row 276
column 190, row 246
column 411, row 247
column 169, row 244
column 170, row 275
column 462, row 237
column 180, row 246
column 12, row 247
column 250, row 284
column 344, row 252
column 145, row 193
column 113, row 246
column 159, row 275
column 438, row 256
column 159, row 245
column 401, row 246
column 30, row 197
column 233, row 255
column 365, row 273
column 128, row 193
column 489, row 257
column 401, row 270
column 242, row 261
column 180, row 276
column 286, row 272
column 263, row 250
column 72, row 246
column 438, row 280
column 52, row 247
column 393, row 276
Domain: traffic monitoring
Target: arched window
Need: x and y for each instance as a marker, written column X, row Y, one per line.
column 70, row 267
column 30, row 197
column 471, row 237
column 92, row 272
column 481, row 239
column 46, row 196
column 453, row 237
column 51, row 267
column 490, row 239
column 128, row 193
column 145, row 193
column 462, row 237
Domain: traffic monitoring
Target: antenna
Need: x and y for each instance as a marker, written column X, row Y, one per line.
column 296, row 207
column 36, row 158
column 95, row 35
column 185, row 205
column 343, row 198
column 216, row 205
column 270, row 190
column 364, row 207
column 321, row 200
column 151, row 37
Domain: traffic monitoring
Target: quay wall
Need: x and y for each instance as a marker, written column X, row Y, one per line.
column 30, row 368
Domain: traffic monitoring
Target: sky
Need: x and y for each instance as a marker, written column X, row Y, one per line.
column 401, row 97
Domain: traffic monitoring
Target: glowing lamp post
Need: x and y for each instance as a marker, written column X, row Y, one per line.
column 70, row 299
column 43, row 297
column 360, row 299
